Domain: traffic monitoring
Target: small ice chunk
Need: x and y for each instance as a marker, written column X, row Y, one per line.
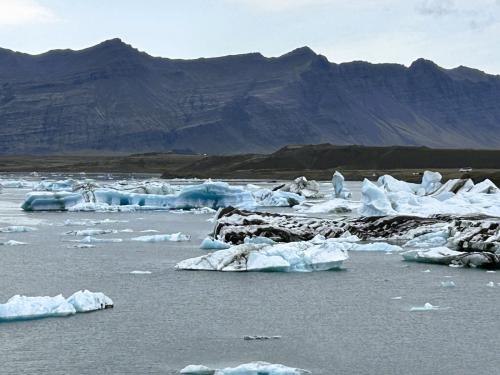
column 141, row 272
column 250, row 338
column 83, row 246
column 427, row 307
column 211, row 244
column 90, row 239
column 13, row 243
column 491, row 284
column 448, row 284
column 16, row 229
column 426, row 271
column 491, row 271
column 150, row 231
column 174, row 237
column 397, row 298
column 90, row 232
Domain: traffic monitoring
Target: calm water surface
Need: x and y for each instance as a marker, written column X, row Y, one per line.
column 341, row 322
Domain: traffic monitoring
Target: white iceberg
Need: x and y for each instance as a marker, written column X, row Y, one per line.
column 439, row 255
column 375, row 201
column 252, row 368
column 23, row 308
column 174, row 237
column 302, row 256
column 85, row 301
column 303, row 187
column 13, row 243
column 427, row 307
column 90, row 239
column 269, row 198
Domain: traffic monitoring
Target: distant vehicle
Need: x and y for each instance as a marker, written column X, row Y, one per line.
column 466, row 169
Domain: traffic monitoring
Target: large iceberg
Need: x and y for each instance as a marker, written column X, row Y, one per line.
column 209, row 194
column 24, row 308
column 252, row 368
column 304, row 256
column 455, row 197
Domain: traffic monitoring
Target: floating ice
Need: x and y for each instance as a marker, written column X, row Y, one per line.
column 12, row 243
column 62, row 185
column 448, row 284
column 16, row 229
column 149, row 231
column 397, row 298
column 211, row 244
column 455, row 197
column 90, row 239
column 303, row 187
column 91, row 232
column 252, row 368
column 427, row 307
column 375, row 201
column 269, row 198
column 338, row 186
column 429, row 240
column 174, row 237
column 23, row 308
column 331, row 206
column 137, row 272
column 209, row 194
column 85, row 301
column 491, row 284
column 259, row 240
column 284, row 257
column 16, row 184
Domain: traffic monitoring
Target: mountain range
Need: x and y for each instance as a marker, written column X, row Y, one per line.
column 112, row 98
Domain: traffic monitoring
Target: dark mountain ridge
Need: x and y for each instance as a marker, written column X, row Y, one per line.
column 112, row 97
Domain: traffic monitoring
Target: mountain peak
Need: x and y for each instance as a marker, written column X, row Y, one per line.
column 300, row 52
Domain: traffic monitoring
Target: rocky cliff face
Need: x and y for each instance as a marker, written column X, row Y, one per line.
column 111, row 97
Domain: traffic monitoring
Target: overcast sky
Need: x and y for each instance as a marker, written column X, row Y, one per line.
column 450, row 32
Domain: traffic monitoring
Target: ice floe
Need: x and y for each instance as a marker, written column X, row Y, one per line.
column 428, row 307
column 23, row 308
column 252, row 368
column 138, row 272
column 174, row 237
column 285, row 257
column 16, row 229
column 13, row 243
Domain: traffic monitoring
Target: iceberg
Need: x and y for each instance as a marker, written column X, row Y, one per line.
column 16, row 229
column 90, row 239
column 15, row 184
column 252, row 368
column 211, row 244
column 438, row 255
column 338, row 186
column 209, row 194
column 269, row 198
column 24, row 308
column 85, row 301
column 375, row 201
column 304, row 256
column 301, row 186
column 91, row 232
column 138, row 272
column 62, row 185
column 174, row 237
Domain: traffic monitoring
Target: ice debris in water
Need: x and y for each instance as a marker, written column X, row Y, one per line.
column 252, row 368
column 174, row 237
column 23, row 308
column 90, row 239
column 211, row 244
column 427, row 307
column 91, row 232
column 303, row 187
column 149, row 231
column 448, row 284
column 397, row 298
column 137, row 272
column 491, row 284
column 304, row 256
column 16, row 229
column 12, row 243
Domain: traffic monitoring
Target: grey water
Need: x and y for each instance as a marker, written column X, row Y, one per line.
column 340, row 322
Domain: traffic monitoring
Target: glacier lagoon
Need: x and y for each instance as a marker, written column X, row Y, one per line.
column 329, row 322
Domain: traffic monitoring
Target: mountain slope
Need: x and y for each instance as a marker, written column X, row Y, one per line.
column 111, row 97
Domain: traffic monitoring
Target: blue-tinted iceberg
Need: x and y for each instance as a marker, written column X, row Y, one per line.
column 209, row 194
column 338, row 186
column 212, row 244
